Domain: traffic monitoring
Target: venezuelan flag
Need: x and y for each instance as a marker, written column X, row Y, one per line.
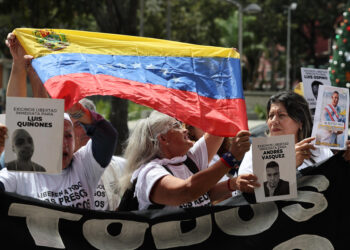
column 199, row 85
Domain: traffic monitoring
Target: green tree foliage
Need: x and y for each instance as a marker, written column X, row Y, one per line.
column 229, row 29
column 251, row 45
column 63, row 14
column 191, row 21
column 312, row 19
column 340, row 61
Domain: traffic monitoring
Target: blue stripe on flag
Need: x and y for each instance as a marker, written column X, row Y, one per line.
column 217, row 78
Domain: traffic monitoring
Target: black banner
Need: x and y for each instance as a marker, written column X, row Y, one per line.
column 317, row 219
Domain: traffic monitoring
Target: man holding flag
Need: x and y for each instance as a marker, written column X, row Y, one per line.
column 81, row 170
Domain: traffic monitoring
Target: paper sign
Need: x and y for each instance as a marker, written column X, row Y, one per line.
column 331, row 117
column 275, row 166
column 312, row 80
column 35, row 134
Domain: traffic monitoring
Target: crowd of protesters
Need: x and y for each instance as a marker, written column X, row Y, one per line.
column 166, row 164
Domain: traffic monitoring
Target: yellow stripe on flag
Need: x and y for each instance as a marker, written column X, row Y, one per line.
column 41, row 42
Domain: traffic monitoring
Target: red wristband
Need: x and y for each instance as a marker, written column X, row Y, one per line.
column 229, row 187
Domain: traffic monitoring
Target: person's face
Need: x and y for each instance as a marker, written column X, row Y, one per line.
column 68, row 144
column 80, row 136
column 273, row 176
column 177, row 142
column 335, row 99
column 315, row 90
column 280, row 123
column 23, row 145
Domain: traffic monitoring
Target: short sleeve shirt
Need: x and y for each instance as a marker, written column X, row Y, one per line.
column 74, row 186
column 147, row 175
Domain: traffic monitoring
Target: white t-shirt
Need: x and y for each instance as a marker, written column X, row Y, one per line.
column 106, row 196
column 320, row 154
column 74, row 186
column 147, row 175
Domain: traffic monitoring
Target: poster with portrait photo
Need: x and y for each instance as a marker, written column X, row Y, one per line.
column 274, row 165
column 312, row 79
column 331, row 118
column 35, row 132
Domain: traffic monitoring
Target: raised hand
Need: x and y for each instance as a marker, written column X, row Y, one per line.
column 78, row 112
column 240, row 144
column 246, row 183
column 16, row 49
column 302, row 150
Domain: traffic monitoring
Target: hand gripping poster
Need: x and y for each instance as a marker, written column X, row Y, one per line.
column 35, row 132
column 331, row 118
column 312, row 80
column 274, row 165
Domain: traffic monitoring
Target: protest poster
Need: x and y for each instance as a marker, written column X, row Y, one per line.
column 312, row 79
column 317, row 219
column 274, row 165
column 35, row 132
column 331, row 117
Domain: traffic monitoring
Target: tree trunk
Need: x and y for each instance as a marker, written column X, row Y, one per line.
column 119, row 118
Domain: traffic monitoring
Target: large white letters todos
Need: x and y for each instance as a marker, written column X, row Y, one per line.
column 229, row 221
column 168, row 234
column 296, row 211
column 43, row 224
column 306, row 241
column 130, row 237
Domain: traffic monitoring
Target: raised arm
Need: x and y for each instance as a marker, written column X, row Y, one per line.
column 223, row 190
column 38, row 88
column 187, row 190
column 240, row 144
column 102, row 133
column 21, row 67
column 17, row 82
column 213, row 144
column 206, row 180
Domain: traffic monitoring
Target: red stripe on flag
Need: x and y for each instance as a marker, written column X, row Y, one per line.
column 223, row 117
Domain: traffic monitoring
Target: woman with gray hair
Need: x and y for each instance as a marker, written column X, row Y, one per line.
column 288, row 113
column 155, row 155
